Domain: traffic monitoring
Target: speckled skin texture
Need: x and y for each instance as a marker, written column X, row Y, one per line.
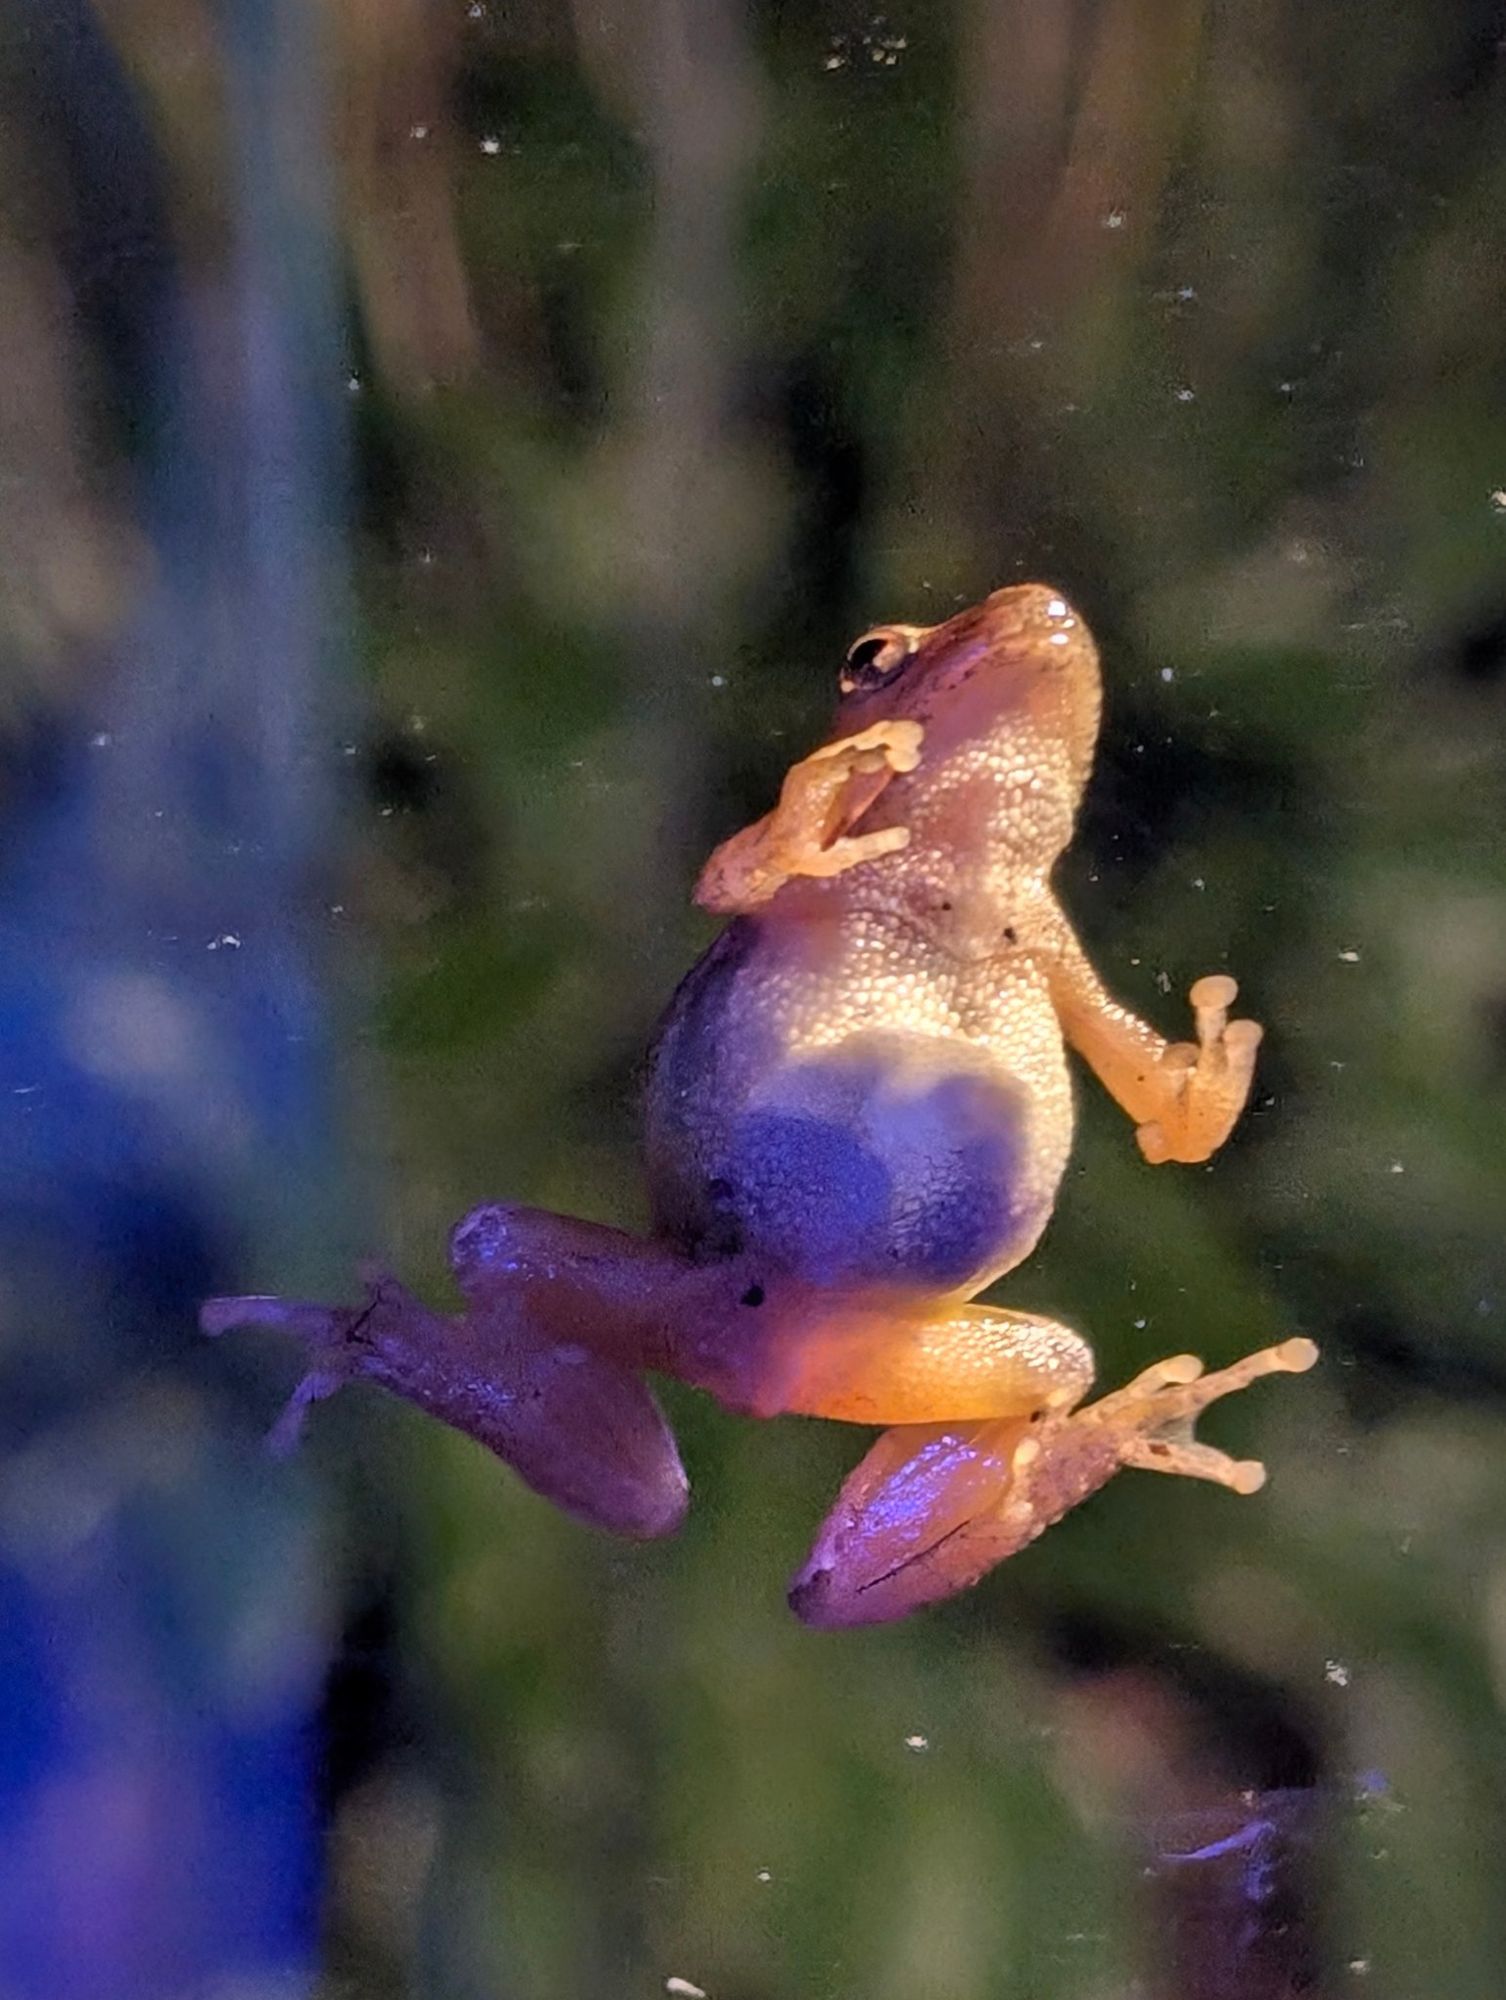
column 858, row 1113
column 866, row 1081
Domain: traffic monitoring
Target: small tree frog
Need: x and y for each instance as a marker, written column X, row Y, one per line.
column 858, row 1113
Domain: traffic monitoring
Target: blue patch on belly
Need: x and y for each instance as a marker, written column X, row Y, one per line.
column 874, row 1164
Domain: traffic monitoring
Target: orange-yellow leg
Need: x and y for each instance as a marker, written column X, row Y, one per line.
column 932, row 1508
column 806, row 833
column 1203, row 1084
column 1183, row 1096
column 869, row 1364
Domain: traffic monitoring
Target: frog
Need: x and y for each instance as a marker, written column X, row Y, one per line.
column 858, row 1112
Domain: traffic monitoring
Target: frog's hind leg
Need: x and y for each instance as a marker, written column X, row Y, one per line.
column 869, row 1363
column 933, row 1507
column 580, row 1429
column 759, row 1339
column 1153, row 1416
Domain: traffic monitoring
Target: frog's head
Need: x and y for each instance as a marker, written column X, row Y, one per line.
column 1018, row 672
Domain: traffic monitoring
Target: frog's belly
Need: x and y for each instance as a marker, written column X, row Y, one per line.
column 896, row 1147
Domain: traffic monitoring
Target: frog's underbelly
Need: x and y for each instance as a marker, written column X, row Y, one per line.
column 915, row 1136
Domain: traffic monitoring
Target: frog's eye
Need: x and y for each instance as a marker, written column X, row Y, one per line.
column 876, row 657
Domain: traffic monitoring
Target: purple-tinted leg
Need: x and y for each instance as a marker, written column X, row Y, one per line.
column 582, row 1431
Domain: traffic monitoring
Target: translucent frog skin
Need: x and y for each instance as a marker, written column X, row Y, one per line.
column 858, row 1114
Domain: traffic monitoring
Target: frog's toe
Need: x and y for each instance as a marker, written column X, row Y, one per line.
column 1207, row 1081
column 1151, row 1419
column 334, row 1336
column 585, row 1433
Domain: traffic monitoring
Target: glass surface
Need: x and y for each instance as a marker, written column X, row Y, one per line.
column 446, row 451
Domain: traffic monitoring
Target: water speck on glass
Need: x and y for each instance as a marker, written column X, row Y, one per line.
column 878, row 44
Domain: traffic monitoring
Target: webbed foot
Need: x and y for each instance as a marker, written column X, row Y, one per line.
column 585, row 1433
column 932, row 1508
column 1206, row 1082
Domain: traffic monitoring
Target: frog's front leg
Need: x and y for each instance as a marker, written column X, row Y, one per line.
column 1183, row 1096
column 578, row 1427
column 806, row 833
column 933, row 1508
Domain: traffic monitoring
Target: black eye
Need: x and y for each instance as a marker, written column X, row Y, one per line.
column 875, row 658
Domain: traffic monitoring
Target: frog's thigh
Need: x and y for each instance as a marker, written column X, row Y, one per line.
column 967, row 1361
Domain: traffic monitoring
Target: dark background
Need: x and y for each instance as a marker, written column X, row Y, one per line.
column 444, row 452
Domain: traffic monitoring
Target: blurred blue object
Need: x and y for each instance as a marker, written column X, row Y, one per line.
column 162, row 1045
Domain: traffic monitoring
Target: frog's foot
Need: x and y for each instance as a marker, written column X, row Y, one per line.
column 1151, row 1418
column 932, row 1508
column 1206, row 1082
column 806, row 834
column 338, row 1337
column 582, row 1431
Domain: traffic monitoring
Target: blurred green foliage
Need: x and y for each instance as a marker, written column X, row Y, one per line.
column 688, row 340
column 1196, row 313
